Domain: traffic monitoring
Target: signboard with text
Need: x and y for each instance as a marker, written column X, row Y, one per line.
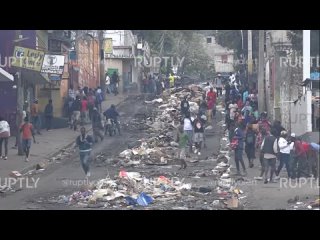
column 108, row 46
column 27, row 58
column 53, row 64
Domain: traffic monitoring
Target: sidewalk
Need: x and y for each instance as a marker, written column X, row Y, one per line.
column 49, row 143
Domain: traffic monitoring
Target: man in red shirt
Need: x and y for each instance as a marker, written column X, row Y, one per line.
column 27, row 134
column 84, row 110
column 211, row 99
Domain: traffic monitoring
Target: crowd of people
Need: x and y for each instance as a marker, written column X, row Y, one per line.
column 250, row 131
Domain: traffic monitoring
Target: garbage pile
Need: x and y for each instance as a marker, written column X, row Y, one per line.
column 297, row 204
column 127, row 189
column 160, row 148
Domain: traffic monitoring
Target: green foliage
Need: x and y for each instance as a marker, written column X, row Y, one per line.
column 185, row 44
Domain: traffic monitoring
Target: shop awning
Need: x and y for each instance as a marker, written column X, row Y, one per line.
column 34, row 77
column 5, row 76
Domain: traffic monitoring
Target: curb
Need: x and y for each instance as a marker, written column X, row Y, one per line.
column 33, row 167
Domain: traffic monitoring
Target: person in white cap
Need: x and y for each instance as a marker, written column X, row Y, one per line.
column 284, row 147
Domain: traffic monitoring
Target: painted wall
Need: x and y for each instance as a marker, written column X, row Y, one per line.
column 88, row 61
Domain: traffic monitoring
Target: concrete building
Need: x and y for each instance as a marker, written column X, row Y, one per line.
column 283, row 76
column 125, row 49
column 223, row 57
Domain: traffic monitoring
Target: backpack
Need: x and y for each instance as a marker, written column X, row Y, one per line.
column 250, row 138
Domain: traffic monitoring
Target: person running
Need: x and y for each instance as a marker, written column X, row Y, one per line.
column 27, row 134
column 85, row 142
column 4, row 137
column 48, row 111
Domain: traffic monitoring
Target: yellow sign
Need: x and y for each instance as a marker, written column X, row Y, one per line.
column 27, row 58
column 108, row 46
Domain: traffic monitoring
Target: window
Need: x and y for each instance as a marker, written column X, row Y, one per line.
column 209, row 40
column 224, row 58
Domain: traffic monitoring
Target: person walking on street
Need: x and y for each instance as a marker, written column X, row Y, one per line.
column 238, row 153
column 35, row 116
column 284, row 147
column 76, row 108
column 185, row 107
column 108, row 88
column 84, row 110
column 250, row 145
column 4, row 137
column 188, row 129
column 85, row 142
column 97, row 125
column 218, row 84
column 198, row 134
column 269, row 150
column 182, row 139
column 48, row 111
column 27, row 134
column 114, row 83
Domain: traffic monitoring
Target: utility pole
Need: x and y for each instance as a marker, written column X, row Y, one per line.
column 261, row 85
column 249, row 55
column 306, row 74
column 102, row 68
column 20, row 99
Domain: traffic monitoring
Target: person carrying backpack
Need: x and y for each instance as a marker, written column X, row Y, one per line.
column 250, row 141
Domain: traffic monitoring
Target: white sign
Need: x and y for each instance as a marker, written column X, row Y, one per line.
column 53, row 64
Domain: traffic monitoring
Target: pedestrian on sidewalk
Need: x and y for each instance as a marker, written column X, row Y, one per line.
column 250, row 145
column 284, row 156
column 269, row 149
column 48, row 112
column 239, row 137
column 27, row 134
column 85, row 142
column 98, row 100
column 182, row 139
column 35, row 116
column 91, row 102
column 4, row 137
column 97, row 125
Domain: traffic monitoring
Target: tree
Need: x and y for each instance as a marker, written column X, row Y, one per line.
column 185, row 44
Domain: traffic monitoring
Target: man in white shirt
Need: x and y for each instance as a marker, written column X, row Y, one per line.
column 108, row 83
column 284, row 147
